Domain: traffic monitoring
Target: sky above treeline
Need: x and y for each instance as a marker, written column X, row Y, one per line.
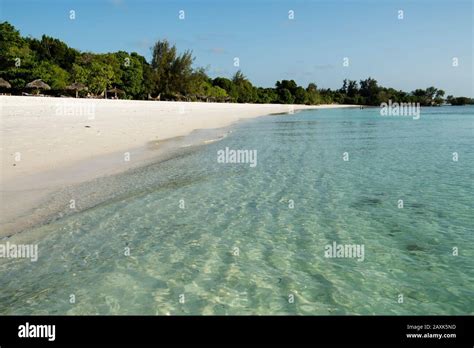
column 309, row 44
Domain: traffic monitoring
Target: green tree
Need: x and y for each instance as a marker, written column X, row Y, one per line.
column 100, row 77
column 369, row 91
column 54, row 50
column 283, row 88
column 301, row 97
column 130, row 69
column 462, row 101
column 267, row 95
column 17, row 60
column 439, row 97
column 290, row 85
column 430, row 93
column 147, row 76
column 313, row 94
column 352, row 89
column 202, row 86
column 56, row 77
column 96, row 71
column 79, row 74
column 246, row 93
column 171, row 72
column 199, row 83
column 227, row 85
column 285, row 96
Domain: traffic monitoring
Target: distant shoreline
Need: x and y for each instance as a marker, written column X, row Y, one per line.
column 51, row 143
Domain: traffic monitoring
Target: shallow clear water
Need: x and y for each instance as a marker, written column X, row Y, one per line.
column 238, row 248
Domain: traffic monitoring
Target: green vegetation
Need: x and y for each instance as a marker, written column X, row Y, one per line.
column 459, row 101
column 171, row 76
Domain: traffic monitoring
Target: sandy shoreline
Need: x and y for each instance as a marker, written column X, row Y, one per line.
column 50, row 143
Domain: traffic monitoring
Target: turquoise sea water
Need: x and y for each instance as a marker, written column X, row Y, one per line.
column 238, row 248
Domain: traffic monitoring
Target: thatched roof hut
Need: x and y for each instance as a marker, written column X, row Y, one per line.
column 4, row 83
column 77, row 86
column 156, row 98
column 115, row 90
column 38, row 84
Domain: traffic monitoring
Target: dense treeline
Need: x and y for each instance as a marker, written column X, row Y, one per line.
column 171, row 76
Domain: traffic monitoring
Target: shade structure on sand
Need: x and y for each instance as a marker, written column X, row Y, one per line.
column 38, row 84
column 115, row 90
column 77, row 86
column 4, row 83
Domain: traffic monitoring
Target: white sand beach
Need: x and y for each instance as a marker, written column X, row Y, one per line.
column 47, row 143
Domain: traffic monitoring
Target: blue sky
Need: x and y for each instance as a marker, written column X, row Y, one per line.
column 415, row 52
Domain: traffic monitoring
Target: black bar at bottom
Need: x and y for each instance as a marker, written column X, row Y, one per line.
column 136, row 330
